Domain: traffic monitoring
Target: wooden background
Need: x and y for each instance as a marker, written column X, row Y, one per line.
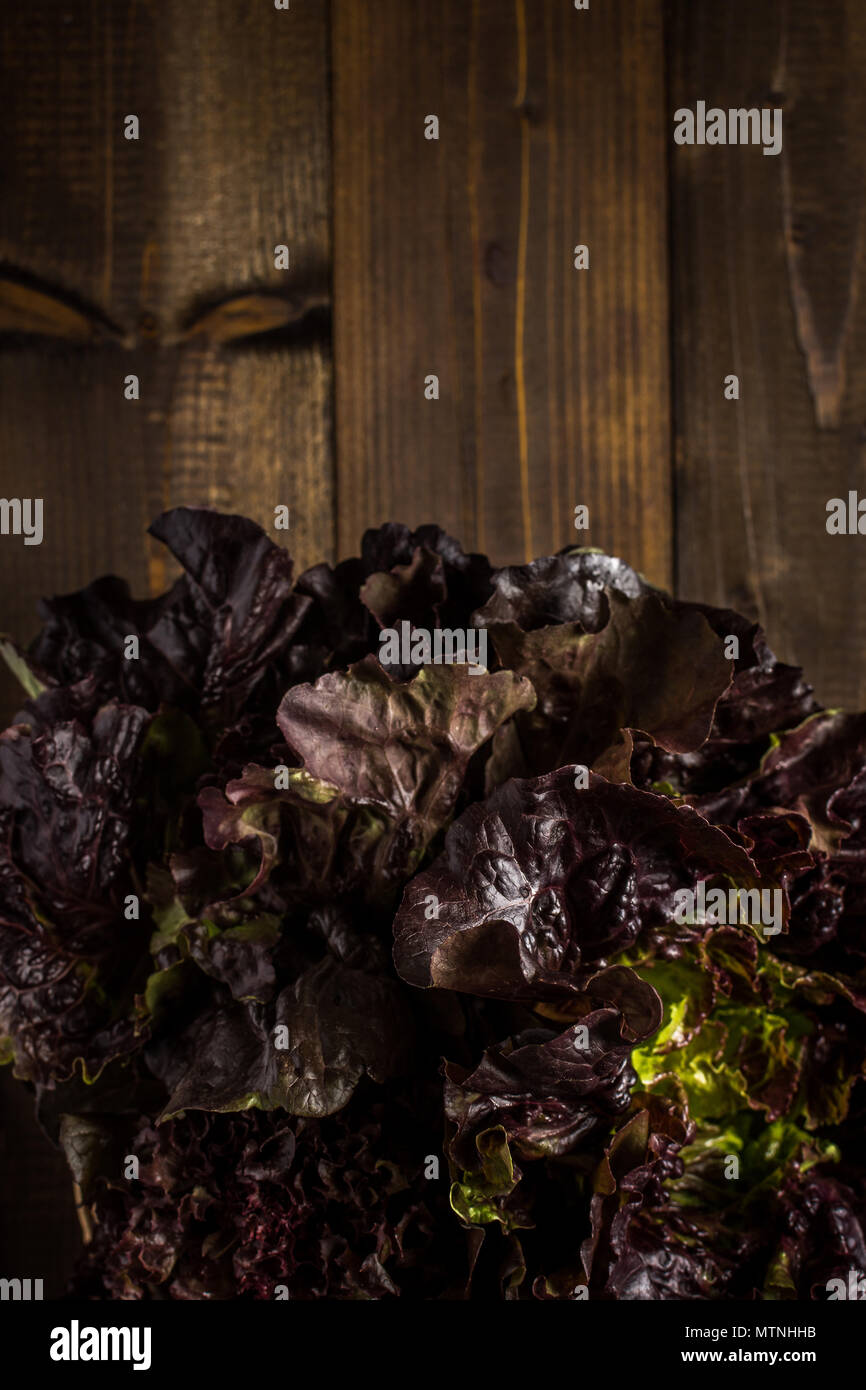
column 411, row 257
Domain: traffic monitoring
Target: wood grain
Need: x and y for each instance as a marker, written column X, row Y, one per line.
column 246, row 167
column 145, row 239
column 769, row 255
column 455, row 257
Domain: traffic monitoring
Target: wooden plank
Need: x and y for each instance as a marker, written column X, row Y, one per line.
column 769, row 255
column 456, row 258
column 232, row 159
column 246, row 166
column 67, row 218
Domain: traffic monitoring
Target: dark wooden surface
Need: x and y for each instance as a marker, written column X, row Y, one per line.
column 769, row 257
column 454, row 257
column 147, row 236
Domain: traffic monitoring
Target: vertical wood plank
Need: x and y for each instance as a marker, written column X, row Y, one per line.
column 244, row 96
column 233, row 158
column 769, row 255
column 455, row 257
column 75, row 215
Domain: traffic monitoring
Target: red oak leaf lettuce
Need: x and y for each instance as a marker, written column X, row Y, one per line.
column 544, row 879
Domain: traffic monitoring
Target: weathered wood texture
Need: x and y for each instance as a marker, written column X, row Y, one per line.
column 455, row 257
column 232, row 159
column 769, row 257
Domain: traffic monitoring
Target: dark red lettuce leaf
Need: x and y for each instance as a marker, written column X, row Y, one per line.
column 823, row 1226
column 422, row 576
column 543, row 880
column 84, row 634
column 466, row 578
column 234, row 1206
column 815, row 770
column 813, row 777
column 216, row 640
column 230, row 941
column 341, row 1024
column 400, row 749
column 336, row 629
column 624, row 1257
column 764, row 697
column 321, row 845
column 412, row 592
column 242, row 581
column 546, row 1089
column 68, row 954
column 564, row 588
column 650, row 667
